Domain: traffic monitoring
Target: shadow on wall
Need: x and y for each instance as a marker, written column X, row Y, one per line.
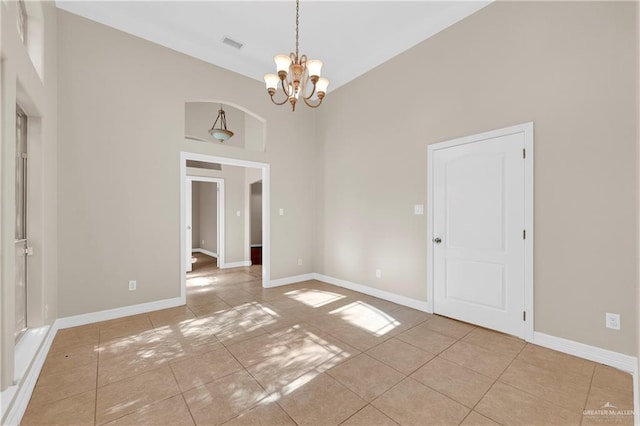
column 248, row 129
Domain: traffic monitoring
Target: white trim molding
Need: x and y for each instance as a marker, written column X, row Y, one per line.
column 239, row 264
column 17, row 397
column 617, row 360
column 420, row 305
column 364, row 289
column 613, row 359
column 109, row 314
column 266, row 214
column 204, row 251
column 289, row 280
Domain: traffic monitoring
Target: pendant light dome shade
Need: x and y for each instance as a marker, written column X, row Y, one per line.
column 221, row 133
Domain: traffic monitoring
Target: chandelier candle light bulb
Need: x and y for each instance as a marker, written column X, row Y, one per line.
column 297, row 76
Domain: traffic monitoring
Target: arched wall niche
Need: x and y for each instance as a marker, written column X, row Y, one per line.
column 248, row 128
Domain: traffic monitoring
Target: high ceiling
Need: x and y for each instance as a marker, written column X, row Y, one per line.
column 351, row 37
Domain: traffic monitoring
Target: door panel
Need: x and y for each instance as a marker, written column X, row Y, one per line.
column 478, row 215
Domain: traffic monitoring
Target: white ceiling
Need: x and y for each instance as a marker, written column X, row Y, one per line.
column 351, row 37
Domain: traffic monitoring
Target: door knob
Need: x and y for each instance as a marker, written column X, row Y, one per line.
column 437, row 240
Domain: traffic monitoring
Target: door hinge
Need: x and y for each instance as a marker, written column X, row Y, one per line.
column 524, row 315
column 524, row 234
column 524, row 153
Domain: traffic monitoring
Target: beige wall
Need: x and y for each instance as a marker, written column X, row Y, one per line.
column 569, row 68
column 121, row 130
column 200, row 116
column 208, row 216
column 29, row 78
column 236, row 227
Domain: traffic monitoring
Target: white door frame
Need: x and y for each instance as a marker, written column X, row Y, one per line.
column 220, row 217
column 527, row 130
column 266, row 219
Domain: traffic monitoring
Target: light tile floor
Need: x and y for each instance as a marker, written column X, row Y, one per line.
column 311, row 354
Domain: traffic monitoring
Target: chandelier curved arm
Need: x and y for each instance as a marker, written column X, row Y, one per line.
column 312, row 105
column 279, row 103
column 285, row 87
column 313, row 91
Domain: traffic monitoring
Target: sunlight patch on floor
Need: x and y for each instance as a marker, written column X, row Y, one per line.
column 367, row 317
column 201, row 281
column 314, row 298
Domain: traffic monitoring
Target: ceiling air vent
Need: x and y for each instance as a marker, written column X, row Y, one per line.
column 231, row 42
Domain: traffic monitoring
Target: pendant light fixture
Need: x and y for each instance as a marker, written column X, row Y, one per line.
column 297, row 76
column 221, row 133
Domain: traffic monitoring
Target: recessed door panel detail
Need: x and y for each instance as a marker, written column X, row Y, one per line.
column 463, row 283
column 483, row 195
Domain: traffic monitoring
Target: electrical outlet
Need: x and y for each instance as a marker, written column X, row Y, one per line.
column 378, row 273
column 299, row 262
column 132, row 285
column 202, row 243
column 612, row 321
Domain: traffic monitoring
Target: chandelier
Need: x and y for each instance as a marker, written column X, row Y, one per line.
column 296, row 74
column 221, row 133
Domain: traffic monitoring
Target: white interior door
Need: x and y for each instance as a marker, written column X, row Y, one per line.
column 478, row 224
column 189, row 224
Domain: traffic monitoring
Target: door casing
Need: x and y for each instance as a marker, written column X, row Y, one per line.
column 220, row 209
column 527, row 130
column 266, row 217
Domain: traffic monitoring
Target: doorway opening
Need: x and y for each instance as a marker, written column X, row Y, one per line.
column 233, row 212
column 205, row 223
column 255, row 222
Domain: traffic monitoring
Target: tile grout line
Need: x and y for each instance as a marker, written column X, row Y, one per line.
column 492, row 385
column 188, row 408
column 95, row 408
column 539, row 397
column 586, row 400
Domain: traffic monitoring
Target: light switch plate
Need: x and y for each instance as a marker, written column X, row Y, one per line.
column 418, row 209
column 281, row 212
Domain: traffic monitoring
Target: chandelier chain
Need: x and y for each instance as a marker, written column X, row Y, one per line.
column 297, row 26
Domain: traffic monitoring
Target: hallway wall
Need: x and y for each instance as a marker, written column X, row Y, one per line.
column 126, row 213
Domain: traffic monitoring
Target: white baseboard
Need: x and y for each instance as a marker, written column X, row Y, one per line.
column 236, row 264
column 76, row 320
column 204, row 251
column 20, row 394
column 617, row 360
column 613, row 359
column 420, row 305
column 289, row 280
